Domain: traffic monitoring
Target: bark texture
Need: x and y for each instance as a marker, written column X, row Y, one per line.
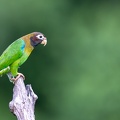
column 23, row 102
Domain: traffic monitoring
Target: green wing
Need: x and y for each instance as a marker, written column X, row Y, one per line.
column 12, row 53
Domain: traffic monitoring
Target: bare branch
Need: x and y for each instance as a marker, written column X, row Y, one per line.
column 23, row 102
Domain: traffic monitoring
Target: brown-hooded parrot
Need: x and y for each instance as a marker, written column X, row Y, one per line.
column 18, row 52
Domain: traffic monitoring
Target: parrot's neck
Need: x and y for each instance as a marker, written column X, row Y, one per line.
column 28, row 47
column 33, row 43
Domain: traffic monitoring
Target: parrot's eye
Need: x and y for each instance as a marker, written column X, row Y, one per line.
column 40, row 36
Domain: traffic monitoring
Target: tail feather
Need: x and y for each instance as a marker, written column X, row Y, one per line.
column 4, row 71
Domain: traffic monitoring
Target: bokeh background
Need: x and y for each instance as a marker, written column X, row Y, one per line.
column 77, row 75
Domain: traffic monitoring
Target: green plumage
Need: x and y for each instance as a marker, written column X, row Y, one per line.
column 18, row 52
column 11, row 57
column 12, row 53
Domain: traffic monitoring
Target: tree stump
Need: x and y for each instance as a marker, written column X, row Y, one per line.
column 23, row 102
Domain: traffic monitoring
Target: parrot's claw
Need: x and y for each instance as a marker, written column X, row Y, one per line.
column 17, row 77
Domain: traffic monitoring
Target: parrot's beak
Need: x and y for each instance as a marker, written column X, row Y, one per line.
column 44, row 42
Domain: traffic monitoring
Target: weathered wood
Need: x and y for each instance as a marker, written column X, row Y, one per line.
column 23, row 102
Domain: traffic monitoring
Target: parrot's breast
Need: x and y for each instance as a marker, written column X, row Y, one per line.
column 27, row 51
column 23, row 58
column 28, row 47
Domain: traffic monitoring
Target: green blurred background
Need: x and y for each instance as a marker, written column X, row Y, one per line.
column 77, row 75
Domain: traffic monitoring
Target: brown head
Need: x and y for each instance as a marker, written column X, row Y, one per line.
column 37, row 38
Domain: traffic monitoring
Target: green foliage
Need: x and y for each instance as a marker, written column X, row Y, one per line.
column 76, row 75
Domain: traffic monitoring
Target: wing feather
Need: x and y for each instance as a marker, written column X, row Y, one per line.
column 12, row 53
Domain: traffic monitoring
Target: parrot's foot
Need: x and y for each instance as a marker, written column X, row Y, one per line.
column 17, row 77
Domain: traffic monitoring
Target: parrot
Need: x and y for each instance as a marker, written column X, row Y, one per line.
column 18, row 52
